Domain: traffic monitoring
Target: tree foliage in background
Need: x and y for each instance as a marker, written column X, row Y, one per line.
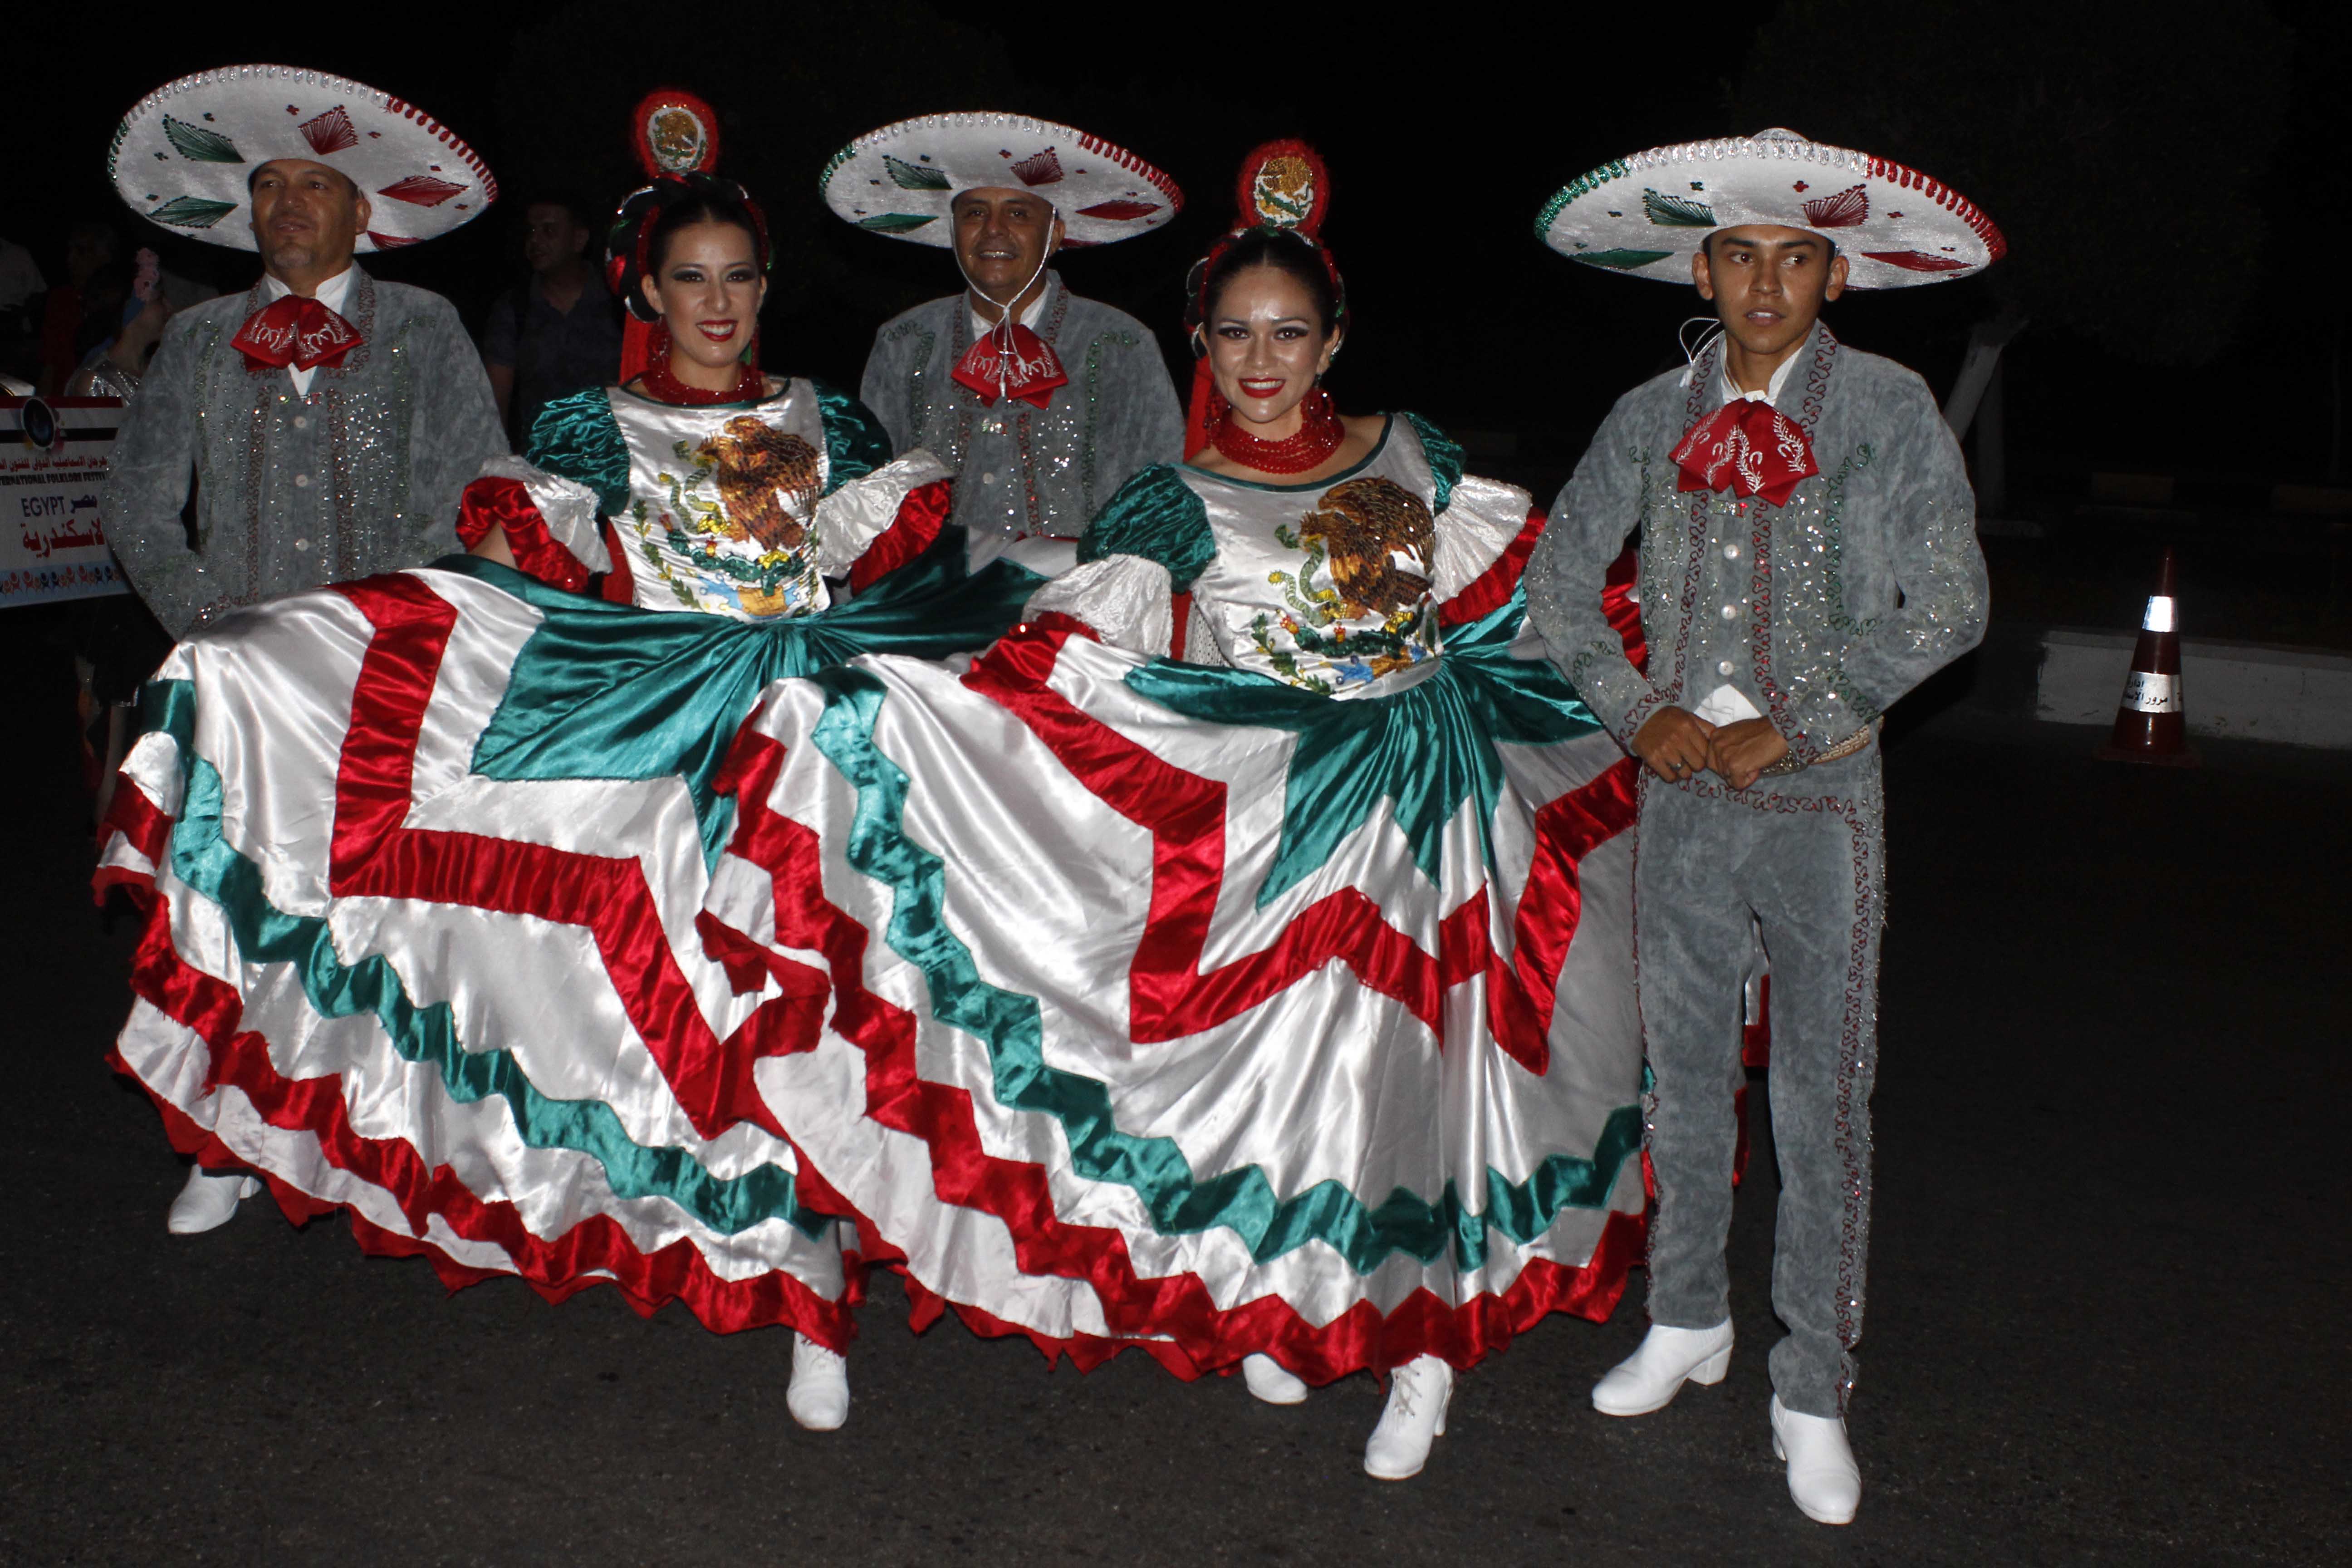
column 2126, row 158
column 791, row 85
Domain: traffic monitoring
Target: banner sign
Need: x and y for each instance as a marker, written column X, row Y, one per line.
column 53, row 456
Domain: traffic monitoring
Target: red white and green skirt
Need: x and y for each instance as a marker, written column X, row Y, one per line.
column 1174, row 1006
column 424, row 858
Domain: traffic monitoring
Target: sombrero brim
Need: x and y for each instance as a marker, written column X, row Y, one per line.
column 1647, row 214
column 182, row 156
column 899, row 181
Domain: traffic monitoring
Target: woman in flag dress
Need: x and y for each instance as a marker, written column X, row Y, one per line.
column 423, row 854
column 1236, row 960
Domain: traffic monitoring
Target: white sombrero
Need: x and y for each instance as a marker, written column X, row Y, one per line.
column 183, row 154
column 1648, row 213
column 899, row 180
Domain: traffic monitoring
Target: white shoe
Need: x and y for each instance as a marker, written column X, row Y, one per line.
column 818, row 1396
column 208, row 1202
column 1268, row 1380
column 1419, row 1392
column 1650, row 1378
column 1822, row 1477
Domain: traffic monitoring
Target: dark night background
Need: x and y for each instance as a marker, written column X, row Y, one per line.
column 2110, row 1258
column 2154, row 170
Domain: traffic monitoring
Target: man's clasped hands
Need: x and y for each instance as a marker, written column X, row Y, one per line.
column 1676, row 745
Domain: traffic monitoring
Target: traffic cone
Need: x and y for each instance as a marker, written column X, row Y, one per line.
column 2151, row 725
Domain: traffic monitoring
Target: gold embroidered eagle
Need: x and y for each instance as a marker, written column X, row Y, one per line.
column 763, row 475
column 1364, row 525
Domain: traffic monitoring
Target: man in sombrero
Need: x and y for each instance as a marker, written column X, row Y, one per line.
column 1807, row 556
column 329, row 420
column 1044, row 402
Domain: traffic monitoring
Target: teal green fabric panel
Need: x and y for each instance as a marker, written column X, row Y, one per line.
column 610, row 691
column 854, row 442
column 1157, row 516
column 203, row 859
column 1444, row 454
column 1010, row 1024
column 576, row 438
column 1424, row 750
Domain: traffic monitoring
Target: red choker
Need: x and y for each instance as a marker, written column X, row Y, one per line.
column 1319, row 435
column 662, row 385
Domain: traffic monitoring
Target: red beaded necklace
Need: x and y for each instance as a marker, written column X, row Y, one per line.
column 1318, row 436
column 662, row 385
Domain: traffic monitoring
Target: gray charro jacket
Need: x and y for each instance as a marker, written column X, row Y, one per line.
column 359, row 475
column 1823, row 611
column 1023, row 469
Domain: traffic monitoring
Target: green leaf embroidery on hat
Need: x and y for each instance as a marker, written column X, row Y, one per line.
column 1622, row 260
column 897, row 223
column 192, row 212
column 203, row 146
column 1677, row 212
column 912, row 177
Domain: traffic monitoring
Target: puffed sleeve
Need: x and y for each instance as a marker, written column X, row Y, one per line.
column 879, row 512
column 1485, row 530
column 1143, row 548
column 550, row 521
column 576, row 438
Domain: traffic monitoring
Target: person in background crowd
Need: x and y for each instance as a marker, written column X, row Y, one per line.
column 559, row 331
column 1045, row 403
column 86, row 307
column 331, row 420
column 1807, row 556
column 21, row 288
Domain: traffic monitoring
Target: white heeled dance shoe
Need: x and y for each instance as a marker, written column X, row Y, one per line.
column 1419, row 1392
column 1650, row 1378
column 1822, row 1477
column 1269, row 1381
column 818, row 1396
column 209, row 1202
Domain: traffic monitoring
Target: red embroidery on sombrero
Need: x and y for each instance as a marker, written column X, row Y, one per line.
column 294, row 331
column 1749, row 448
column 1030, row 373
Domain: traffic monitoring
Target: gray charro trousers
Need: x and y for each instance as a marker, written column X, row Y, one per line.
column 1810, row 868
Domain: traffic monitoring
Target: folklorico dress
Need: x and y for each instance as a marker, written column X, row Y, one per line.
column 425, row 855
column 1273, row 997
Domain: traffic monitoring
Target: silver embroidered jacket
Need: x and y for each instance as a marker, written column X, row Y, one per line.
column 1024, row 469
column 1821, row 612
column 358, row 476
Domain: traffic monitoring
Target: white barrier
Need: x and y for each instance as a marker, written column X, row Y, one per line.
column 2244, row 691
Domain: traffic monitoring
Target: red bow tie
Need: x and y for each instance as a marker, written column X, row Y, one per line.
column 1749, row 448
column 297, row 332
column 1030, row 371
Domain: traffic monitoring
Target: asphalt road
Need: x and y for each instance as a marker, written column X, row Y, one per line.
column 2107, row 1316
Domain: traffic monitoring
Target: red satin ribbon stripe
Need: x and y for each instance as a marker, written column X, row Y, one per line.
column 296, row 333
column 921, row 514
column 1015, row 363
column 505, row 504
column 1745, row 448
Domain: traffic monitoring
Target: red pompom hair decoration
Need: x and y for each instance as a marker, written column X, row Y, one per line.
column 1282, row 184
column 674, row 133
